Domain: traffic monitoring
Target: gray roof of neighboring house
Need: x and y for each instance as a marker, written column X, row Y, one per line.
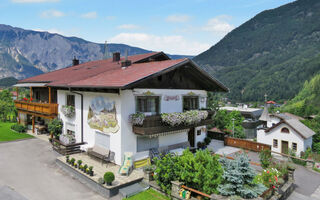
column 265, row 114
column 294, row 122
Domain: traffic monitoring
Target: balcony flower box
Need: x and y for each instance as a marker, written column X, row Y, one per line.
column 68, row 111
column 186, row 118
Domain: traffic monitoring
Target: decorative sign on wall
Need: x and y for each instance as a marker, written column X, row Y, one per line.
column 171, row 98
column 102, row 115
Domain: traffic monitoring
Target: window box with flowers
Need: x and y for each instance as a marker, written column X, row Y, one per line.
column 185, row 118
column 68, row 111
column 137, row 119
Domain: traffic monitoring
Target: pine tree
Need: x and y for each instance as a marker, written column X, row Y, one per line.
column 238, row 177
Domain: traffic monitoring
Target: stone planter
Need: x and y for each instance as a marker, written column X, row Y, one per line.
column 148, row 175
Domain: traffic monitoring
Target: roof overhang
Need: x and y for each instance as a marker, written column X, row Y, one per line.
column 30, row 85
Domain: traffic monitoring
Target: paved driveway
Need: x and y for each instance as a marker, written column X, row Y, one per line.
column 28, row 169
column 307, row 184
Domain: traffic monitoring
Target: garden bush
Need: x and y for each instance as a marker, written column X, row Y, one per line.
column 200, row 171
column 55, row 126
column 268, row 177
column 207, row 140
column 108, row 177
column 265, row 158
column 238, row 178
column 19, row 128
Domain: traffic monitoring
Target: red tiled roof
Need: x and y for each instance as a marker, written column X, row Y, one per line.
column 104, row 73
column 121, row 77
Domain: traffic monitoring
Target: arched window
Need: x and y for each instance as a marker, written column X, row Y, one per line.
column 284, row 130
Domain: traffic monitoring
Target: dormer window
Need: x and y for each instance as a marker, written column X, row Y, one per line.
column 284, row 130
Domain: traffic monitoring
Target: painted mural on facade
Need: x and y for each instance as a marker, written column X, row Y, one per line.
column 102, row 115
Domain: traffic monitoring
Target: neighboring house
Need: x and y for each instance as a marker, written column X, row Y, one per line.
column 284, row 131
column 105, row 93
column 251, row 116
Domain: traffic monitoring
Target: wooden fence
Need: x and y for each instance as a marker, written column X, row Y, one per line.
column 245, row 144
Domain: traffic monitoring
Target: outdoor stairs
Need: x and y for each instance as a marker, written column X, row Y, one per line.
column 133, row 189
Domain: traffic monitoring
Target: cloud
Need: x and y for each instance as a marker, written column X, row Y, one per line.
column 219, row 25
column 110, row 18
column 33, row 1
column 128, row 26
column 173, row 44
column 52, row 14
column 90, row 15
column 178, row 18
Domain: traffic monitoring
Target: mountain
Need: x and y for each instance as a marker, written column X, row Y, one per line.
column 8, row 81
column 275, row 52
column 307, row 101
column 25, row 53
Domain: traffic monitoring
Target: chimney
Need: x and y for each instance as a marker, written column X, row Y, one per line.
column 116, row 57
column 75, row 61
column 125, row 63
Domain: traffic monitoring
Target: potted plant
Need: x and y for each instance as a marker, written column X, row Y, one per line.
column 79, row 163
column 85, row 167
column 108, row 178
column 91, row 170
column 55, row 127
column 148, row 172
column 101, row 181
column 72, row 161
column 67, row 159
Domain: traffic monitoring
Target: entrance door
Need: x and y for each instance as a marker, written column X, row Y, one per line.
column 191, row 136
column 284, row 147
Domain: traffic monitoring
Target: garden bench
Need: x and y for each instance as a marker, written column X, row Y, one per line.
column 101, row 153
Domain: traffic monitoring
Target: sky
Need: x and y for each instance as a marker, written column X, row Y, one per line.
column 186, row 27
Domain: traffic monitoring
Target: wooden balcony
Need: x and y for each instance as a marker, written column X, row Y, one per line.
column 47, row 110
column 153, row 125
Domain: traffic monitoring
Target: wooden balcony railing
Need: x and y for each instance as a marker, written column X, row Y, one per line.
column 153, row 125
column 45, row 109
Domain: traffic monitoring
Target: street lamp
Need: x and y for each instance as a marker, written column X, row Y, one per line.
column 233, row 126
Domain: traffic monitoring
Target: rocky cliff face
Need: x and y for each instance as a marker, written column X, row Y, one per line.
column 25, row 53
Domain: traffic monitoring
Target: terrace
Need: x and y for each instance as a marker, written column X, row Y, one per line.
column 99, row 168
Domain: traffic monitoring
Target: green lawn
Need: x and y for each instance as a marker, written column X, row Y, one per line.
column 6, row 134
column 149, row 194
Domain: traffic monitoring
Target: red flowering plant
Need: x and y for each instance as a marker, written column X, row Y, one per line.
column 25, row 99
column 268, row 177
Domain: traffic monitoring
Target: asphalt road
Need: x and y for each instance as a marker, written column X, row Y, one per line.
column 28, row 171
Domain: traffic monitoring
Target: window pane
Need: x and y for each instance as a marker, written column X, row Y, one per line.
column 148, row 104
column 145, row 143
column 190, row 103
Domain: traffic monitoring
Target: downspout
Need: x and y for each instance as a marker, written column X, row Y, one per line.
column 81, row 112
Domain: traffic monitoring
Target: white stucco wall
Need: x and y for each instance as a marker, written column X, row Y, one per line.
column 173, row 139
column 125, row 140
column 200, row 138
column 88, row 132
column 292, row 136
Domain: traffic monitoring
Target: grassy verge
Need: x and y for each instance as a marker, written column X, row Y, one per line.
column 149, row 194
column 6, row 134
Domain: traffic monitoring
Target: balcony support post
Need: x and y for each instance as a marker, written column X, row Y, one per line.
column 30, row 92
column 17, row 89
column 33, row 123
column 49, row 94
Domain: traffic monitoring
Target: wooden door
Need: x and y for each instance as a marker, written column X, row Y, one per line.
column 191, row 137
column 284, row 147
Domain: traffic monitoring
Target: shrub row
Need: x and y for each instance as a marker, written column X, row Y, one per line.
column 19, row 128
